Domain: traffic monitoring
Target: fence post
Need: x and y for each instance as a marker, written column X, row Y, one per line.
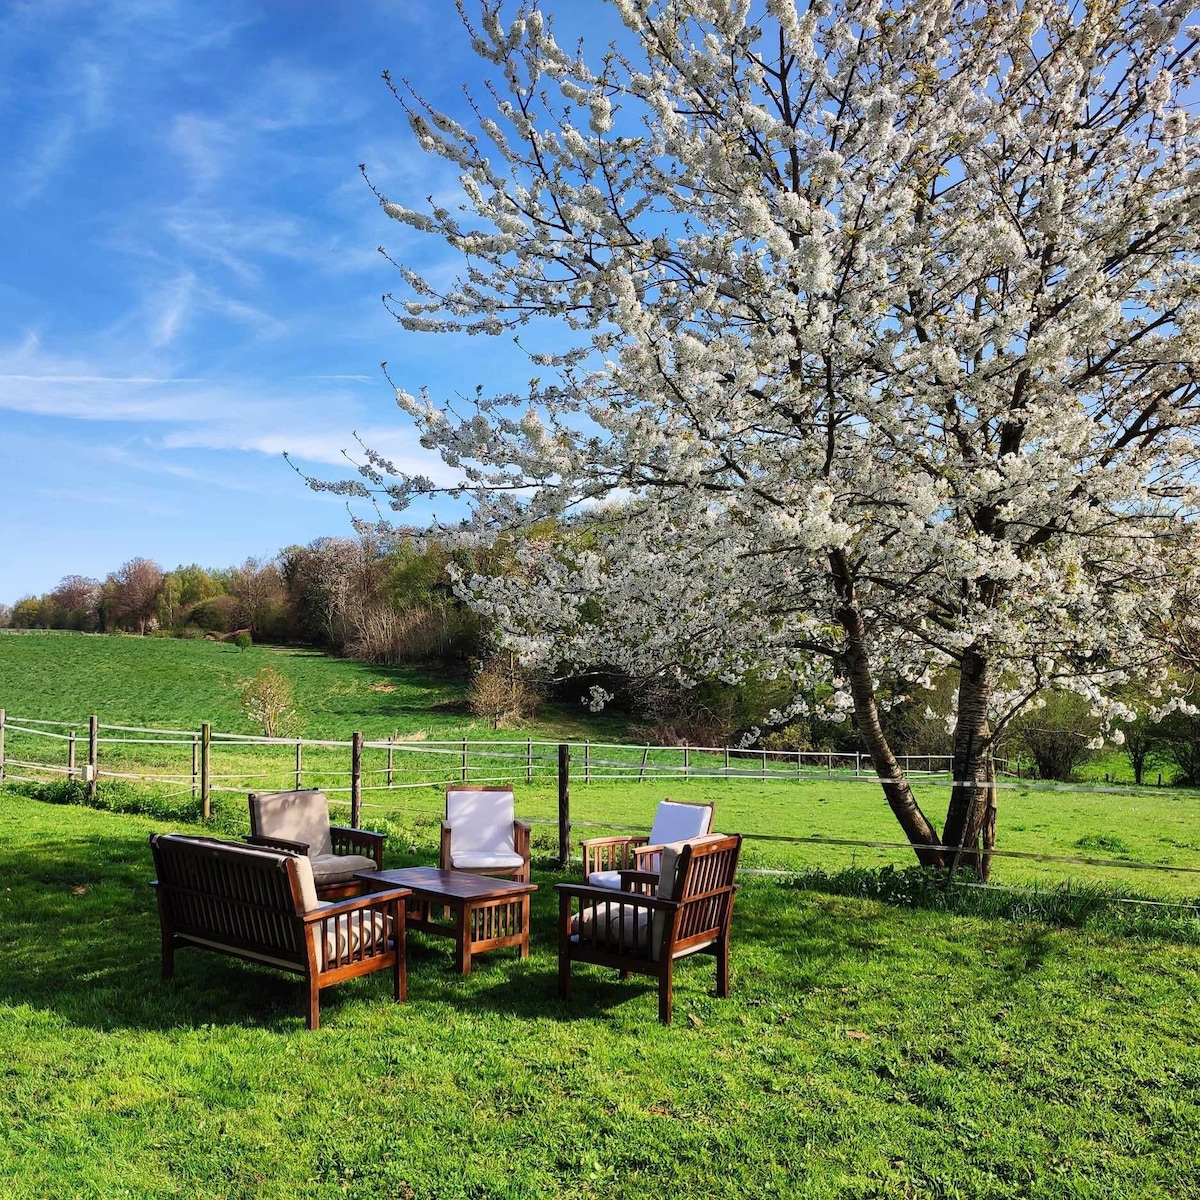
column 391, row 756
column 206, row 770
column 355, row 778
column 687, row 761
column 195, row 765
column 299, row 764
column 587, row 760
column 464, row 760
column 642, row 768
column 726, row 761
column 71, row 755
column 529, row 760
column 2, row 717
column 764, row 754
column 564, row 804
column 93, row 754
column 799, row 756
column 857, row 763
column 829, row 764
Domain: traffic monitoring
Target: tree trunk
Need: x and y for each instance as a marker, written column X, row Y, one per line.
column 896, row 788
column 974, row 785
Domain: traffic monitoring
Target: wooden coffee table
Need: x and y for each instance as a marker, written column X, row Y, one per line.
column 486, row 913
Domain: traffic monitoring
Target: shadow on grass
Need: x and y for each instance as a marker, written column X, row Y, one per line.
column 79, row 929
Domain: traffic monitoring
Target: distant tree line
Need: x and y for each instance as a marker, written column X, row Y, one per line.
column 378, row 600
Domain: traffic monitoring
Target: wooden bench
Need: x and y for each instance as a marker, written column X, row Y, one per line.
column 262, row 905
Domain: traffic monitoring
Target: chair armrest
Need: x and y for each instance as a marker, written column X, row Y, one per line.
column 619, row 840
column 582, row 891
column 358, row 841
column 608, row 853
column 358, row 833
column 444, row 846
column 522, row 831
column 633, row 879
column 277, row 843
column 367, row 900
column 646, row 858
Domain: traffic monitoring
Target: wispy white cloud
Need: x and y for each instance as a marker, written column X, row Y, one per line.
column 186, row 413
column 170, row 308
column 35, row 172
column 204, row 144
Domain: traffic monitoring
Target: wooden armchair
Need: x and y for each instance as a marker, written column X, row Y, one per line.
column 689, row 912
column 261, row 905
column 675, row 821
column 299, row 822
column 481, row 833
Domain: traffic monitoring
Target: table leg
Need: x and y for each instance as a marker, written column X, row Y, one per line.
column 524, row 926
column 462, row 937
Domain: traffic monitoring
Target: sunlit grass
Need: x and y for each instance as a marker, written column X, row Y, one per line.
column 867, row 1050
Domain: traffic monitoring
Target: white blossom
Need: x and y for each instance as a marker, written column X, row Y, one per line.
column 911, row 380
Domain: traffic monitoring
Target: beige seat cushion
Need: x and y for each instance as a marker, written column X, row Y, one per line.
column 624, row 927
column 339, row 868
column 371, row 930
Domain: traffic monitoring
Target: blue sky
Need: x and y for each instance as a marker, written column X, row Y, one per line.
column 190, row 281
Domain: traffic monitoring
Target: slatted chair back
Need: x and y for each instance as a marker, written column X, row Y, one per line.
column 702, row 878
column 246, row 897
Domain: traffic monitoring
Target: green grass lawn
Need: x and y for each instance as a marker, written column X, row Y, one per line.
column 173, row 683
column 867, row 1051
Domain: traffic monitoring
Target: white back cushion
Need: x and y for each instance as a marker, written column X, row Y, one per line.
column 481, row 821
column 680, row 822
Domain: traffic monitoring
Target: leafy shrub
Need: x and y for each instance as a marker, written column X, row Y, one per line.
column 242, row 639
column 501, row 693
column 268, row 702
column 191, row 633
column 219, row 614
column 791, row 737
column 1057, row 736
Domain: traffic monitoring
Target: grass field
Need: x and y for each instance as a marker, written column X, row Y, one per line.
column 163, row 682
column 178, row 684
column 867, row 1051
column 885, row 1038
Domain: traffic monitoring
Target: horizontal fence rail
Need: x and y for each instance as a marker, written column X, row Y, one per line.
column 359, row 772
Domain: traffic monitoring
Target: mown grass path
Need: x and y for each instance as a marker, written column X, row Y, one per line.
column 866, row 1052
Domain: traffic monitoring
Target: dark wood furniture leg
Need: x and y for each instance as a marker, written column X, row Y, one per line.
column 462, row 936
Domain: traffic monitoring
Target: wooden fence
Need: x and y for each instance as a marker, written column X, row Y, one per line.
column 88, row 751
column 55, row 747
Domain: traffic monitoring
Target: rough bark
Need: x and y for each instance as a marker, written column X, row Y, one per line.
column 974, row 787
column 896, row 787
